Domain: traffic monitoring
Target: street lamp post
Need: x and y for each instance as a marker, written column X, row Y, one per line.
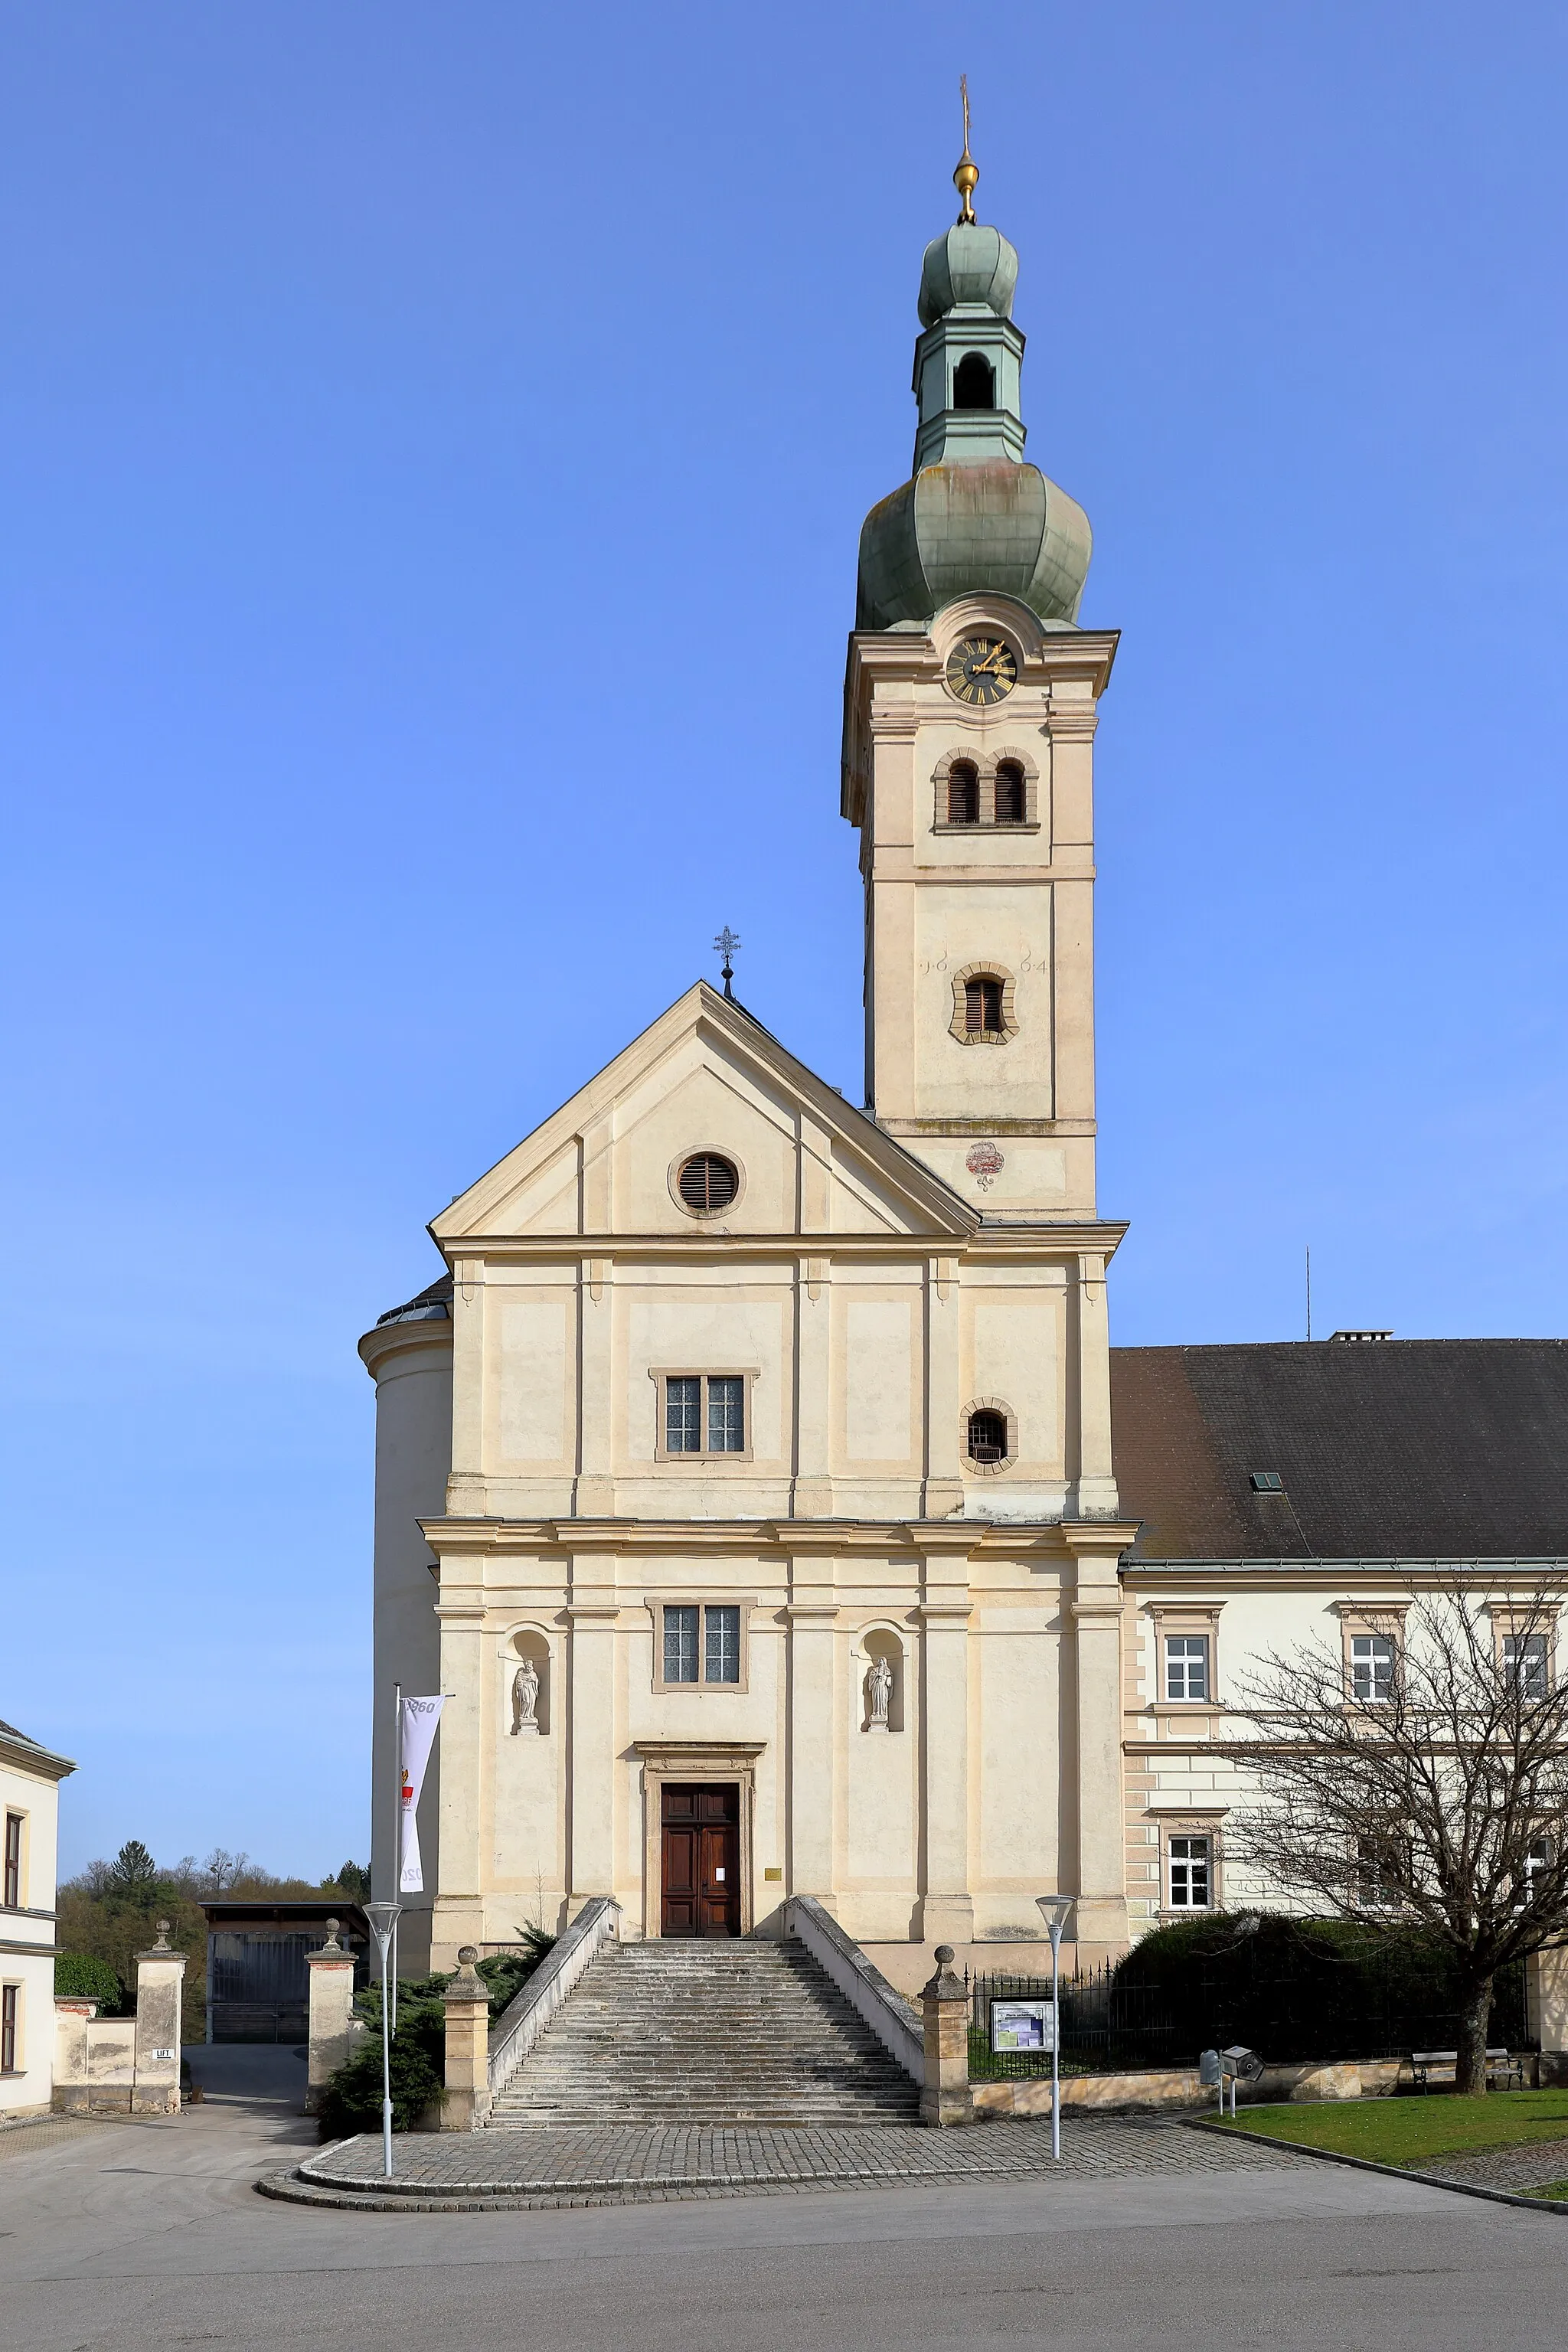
column 383, row 1918
column 1054, row 1909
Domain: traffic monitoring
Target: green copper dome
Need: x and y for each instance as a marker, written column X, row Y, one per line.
column 969, row 264
column 974, row 515
column 957, row 529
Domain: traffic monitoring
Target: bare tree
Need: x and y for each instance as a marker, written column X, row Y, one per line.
column 221, row 1868
column 1419, row 1777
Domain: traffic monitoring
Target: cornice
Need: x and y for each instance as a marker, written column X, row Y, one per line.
column 878, row 656
column 969, row 1539
column 384, row 1341
column 990, row 1238
column 22, row 1755
column 1332, row 1575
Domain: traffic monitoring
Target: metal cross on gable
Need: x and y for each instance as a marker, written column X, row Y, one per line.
column 725, row 945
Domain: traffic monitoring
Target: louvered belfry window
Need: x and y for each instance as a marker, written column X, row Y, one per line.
column 707, row 1181
column 983, row 1007
column 962, row 794
column 1010, row 799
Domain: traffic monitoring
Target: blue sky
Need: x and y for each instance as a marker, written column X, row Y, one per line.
column 434, row 443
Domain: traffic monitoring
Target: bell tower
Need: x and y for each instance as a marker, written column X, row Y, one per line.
column 969, row 708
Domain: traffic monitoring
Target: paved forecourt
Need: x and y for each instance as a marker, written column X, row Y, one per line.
column 471, row 2171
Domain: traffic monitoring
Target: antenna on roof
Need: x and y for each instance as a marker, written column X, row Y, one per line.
column 725, row 945
column 1308, row 1284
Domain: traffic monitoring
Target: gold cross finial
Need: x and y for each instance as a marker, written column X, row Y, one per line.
column 968, row 172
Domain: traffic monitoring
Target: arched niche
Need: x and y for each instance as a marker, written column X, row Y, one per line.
column 880, row 1647
column 528, row 1648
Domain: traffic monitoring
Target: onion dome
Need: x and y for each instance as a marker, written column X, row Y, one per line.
column 957, row 529
column 969, row 267
column 974, row 515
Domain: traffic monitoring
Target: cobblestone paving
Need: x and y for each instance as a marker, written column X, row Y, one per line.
column 487, row 2170
column 37, row 2132
column 1521, row 2169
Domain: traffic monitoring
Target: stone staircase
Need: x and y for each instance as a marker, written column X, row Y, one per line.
column 706, row 2032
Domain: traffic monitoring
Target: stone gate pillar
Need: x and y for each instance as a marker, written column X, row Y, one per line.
column 160, row 1982
column 468, row 2068
column 331, row 2033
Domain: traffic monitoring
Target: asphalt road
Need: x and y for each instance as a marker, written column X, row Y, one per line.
column 150, row 2235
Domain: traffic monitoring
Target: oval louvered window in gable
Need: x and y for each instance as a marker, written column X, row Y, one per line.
column 707, row 1181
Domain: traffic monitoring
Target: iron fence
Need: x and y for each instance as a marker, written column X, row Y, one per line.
column 1111, row 2027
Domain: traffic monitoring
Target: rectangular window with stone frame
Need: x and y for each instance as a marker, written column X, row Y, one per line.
column 703, row 1416
column 700, row 1644
column 1189, row 1870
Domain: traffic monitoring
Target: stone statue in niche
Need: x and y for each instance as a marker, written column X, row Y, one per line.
column 526, row 1698
column 878, row 1694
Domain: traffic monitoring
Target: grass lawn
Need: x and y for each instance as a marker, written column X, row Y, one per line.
column 1410, row 2130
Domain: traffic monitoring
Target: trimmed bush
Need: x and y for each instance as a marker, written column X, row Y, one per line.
column 79, row 1977
column 1302, row 1988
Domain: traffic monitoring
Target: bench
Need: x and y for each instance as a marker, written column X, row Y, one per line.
column 1502, row 2068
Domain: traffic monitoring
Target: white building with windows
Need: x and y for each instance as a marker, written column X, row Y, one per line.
column 29, row 1786
column 748, row 1480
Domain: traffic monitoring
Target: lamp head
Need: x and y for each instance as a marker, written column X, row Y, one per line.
column 1054, row 1909
column 383, row 1918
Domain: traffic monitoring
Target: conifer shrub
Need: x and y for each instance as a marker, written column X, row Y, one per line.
column 351, row 2098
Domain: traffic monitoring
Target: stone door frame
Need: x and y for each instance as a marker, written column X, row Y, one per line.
column 694, row 1760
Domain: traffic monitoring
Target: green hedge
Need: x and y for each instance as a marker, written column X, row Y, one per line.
column 1303, row 1988
column 79, row 1977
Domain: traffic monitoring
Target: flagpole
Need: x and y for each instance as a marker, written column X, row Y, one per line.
column 396, row 1834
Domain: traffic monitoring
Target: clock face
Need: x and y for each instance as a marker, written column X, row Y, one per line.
column 981, row 670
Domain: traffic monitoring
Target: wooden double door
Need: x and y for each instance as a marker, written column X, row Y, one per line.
column 701, row 1860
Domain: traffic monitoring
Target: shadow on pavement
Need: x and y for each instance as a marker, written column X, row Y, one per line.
column 248, row 2074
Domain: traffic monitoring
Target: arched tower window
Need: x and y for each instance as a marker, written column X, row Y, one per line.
column 1011, row 802
column 983, row 1006
column 987, row 1436
column 974, row 385
column 962, row 794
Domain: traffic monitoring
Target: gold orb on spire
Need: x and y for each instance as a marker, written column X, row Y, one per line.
column 966, row 176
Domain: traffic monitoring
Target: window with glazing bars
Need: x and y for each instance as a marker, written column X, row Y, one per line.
column 13, row 1862
column 1186, row 1665
column 8, row 2052
column 711, row 1632
column 705, row 1412
column 1372, row 1668
column 1189, row 1864
column 722, row 1644
column 1524, row 1662
column 681, row 1643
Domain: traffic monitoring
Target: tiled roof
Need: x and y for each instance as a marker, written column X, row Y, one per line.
column 1408, row 1449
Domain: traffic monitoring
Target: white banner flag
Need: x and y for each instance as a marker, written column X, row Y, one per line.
column 416, row 1735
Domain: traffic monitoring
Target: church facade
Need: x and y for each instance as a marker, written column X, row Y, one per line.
column 747, row 1483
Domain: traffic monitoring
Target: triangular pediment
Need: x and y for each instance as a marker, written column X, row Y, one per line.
column 704, row 1078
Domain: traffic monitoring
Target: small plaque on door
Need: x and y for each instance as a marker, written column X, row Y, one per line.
column 718, row 1876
